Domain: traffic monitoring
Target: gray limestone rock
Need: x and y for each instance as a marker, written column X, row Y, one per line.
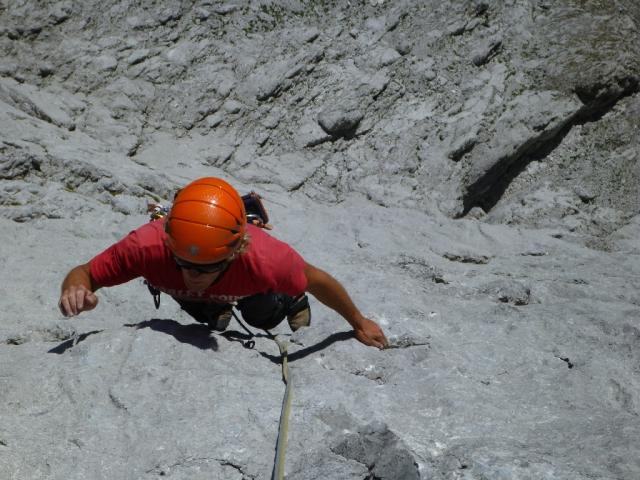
column 524, row 131
column 105, row 63
column 339, row 119
column 138, row 56
column 486, row 50
column 508, row 291
column 225, row 8
column 17, row 163
column 311, row 134
column 468, row 170
column 214, row 119
column 380, row 450
column 44, row 106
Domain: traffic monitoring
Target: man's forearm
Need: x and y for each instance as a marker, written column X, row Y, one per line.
column 330, row 291
column 77, row 291
column 79, row 276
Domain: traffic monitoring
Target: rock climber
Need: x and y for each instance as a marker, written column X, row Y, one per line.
column 208, row 257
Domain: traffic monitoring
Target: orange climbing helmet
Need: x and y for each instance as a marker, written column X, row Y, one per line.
column 207, row 222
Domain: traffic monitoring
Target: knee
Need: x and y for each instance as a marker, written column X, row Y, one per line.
column 266, row 311
column 263, row 311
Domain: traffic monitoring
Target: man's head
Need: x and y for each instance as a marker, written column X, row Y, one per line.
column 206, row 227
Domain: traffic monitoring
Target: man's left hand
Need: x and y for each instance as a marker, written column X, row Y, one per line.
column 370, row 333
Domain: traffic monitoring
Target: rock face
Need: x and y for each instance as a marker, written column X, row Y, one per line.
column 469, row 170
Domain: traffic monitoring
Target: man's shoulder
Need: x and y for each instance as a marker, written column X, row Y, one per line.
column 263, row 243
column 151, row 232
column 267, row 250
column 261, row 235
column 272, row 264
column 147, row 239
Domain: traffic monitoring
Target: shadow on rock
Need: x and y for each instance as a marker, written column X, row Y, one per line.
column 67, row 344
column 193, row 334
column 292, row 357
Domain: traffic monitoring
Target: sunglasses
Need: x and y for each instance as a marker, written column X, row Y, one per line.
column 206, row 268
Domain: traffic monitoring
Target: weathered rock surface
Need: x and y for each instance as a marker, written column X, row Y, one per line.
column 469, row 170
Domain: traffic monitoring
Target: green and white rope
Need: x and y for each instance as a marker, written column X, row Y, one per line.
column 283, row 429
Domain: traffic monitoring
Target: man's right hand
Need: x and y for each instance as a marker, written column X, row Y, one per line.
column 76, row 299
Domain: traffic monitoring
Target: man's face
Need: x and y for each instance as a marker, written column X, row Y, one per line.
column 198, row 277
column 198, row 281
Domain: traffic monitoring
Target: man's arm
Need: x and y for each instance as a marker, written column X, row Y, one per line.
column 77, row 291
column 331, row 292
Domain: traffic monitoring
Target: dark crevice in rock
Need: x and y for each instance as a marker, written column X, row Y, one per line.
column 372, row 476
column 135, row 148
column 297, row 187
column 419, row 268
column 190, row 462
column 117, row 402
column 508, row 290
column 239, row 468
column 77, row 442
column 374, row 375
column 70, row 341
column 462, row 147
column 408, row 341
column 598, row 101
column 477, row 259
column 488, row 52
column 567, row 361
column 52, row 334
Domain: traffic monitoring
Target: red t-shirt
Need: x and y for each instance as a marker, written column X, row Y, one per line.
column 269, row 265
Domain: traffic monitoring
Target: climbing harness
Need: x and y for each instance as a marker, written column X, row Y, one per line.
column 155, row 293
column 283, row 427
column 249, row 343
